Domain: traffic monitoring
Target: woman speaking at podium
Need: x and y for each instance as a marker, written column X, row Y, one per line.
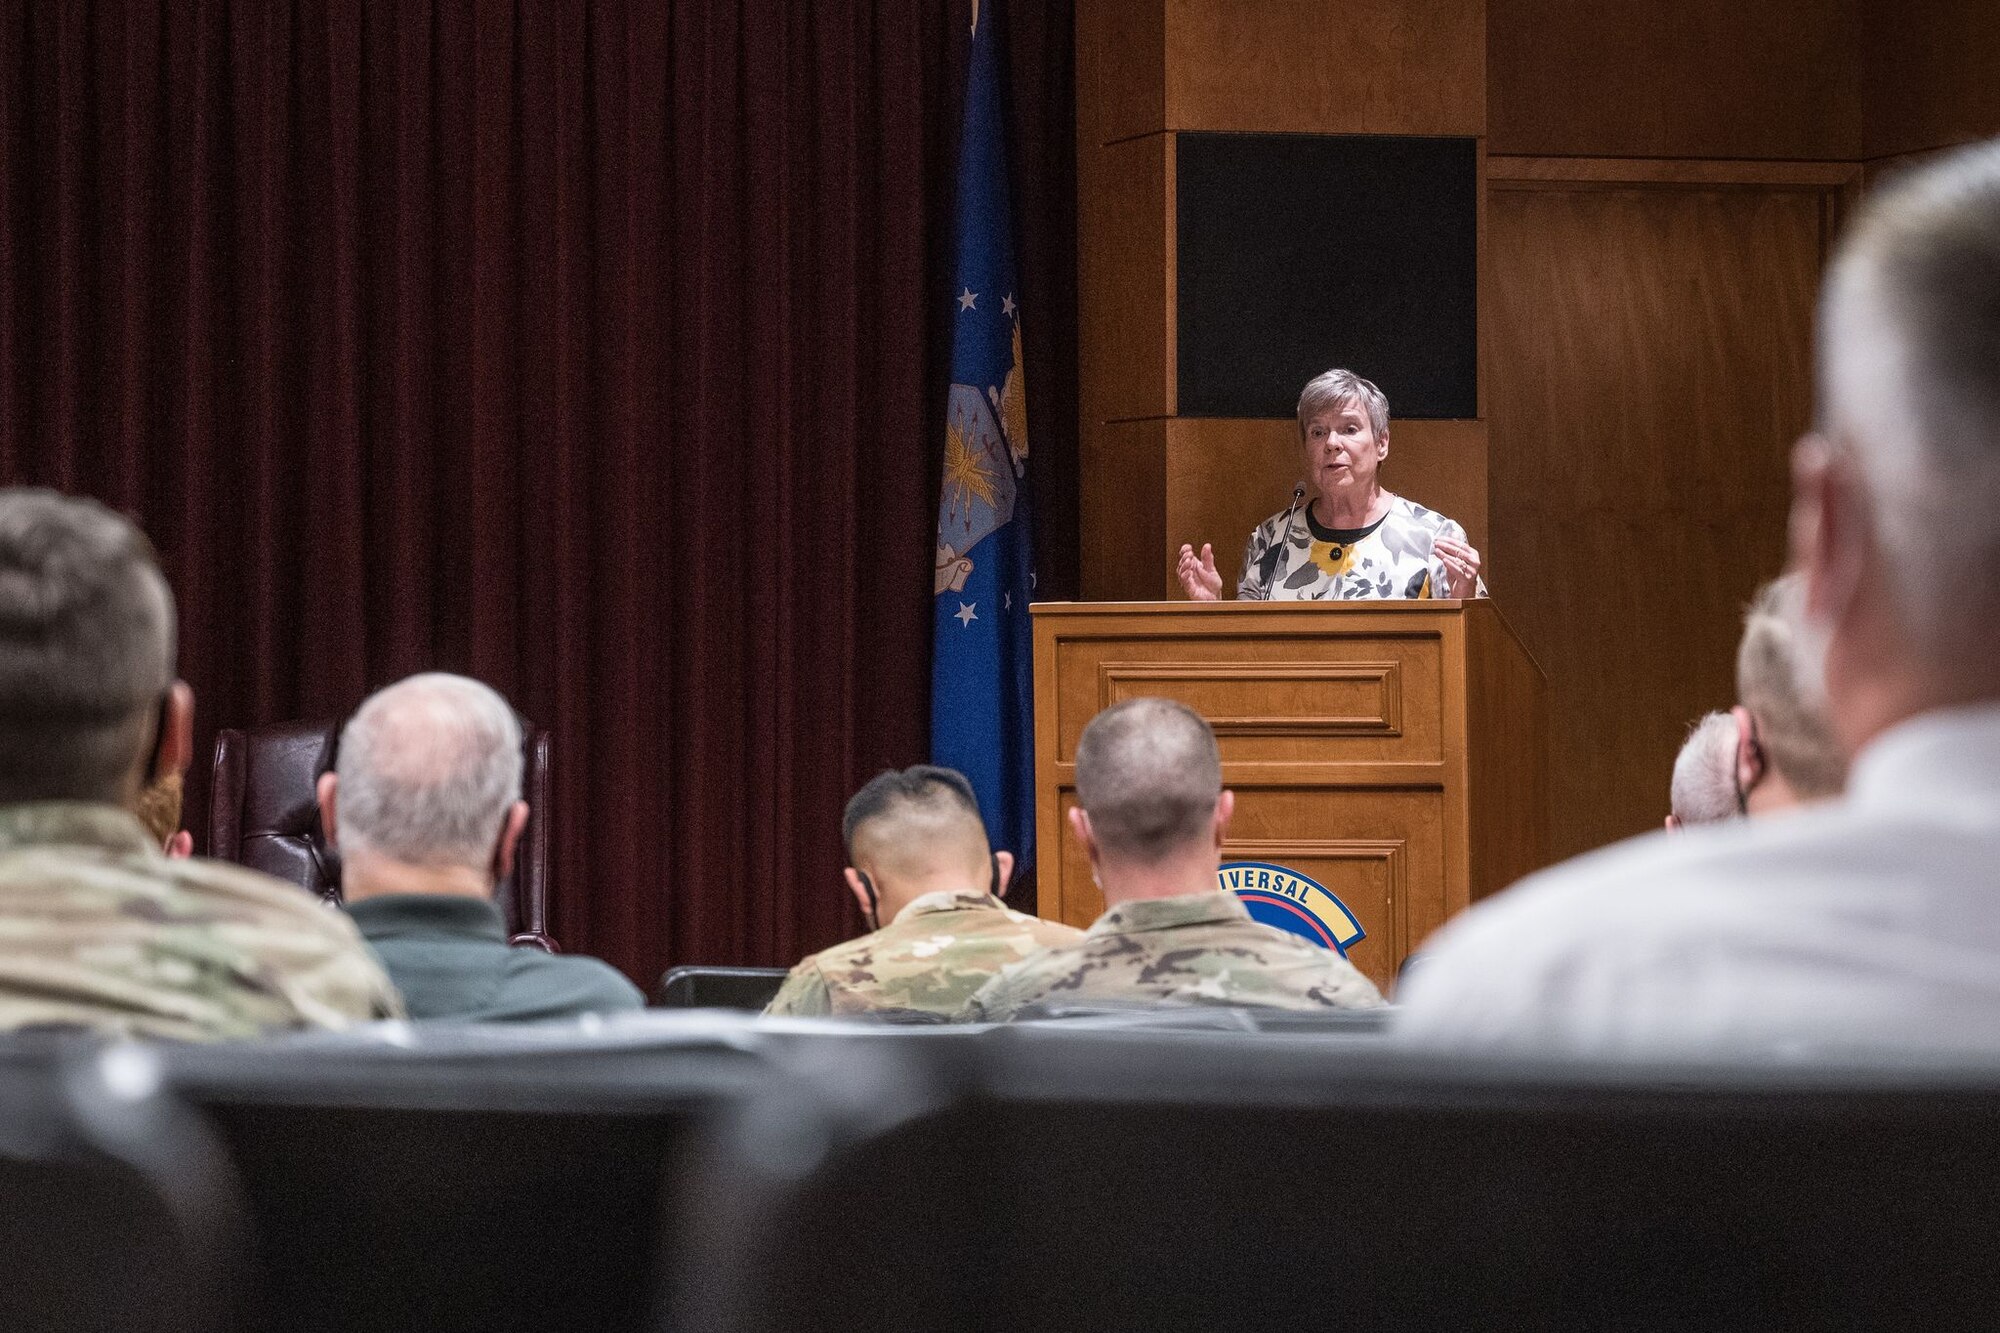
column 1353, row 539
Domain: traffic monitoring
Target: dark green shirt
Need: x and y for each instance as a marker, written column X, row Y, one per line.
column 450, row 958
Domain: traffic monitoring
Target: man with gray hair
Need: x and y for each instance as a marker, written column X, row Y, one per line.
column 1703, row 789
column 1151, row 812
column 425, row 805
column 98, row 929
column 1774, row 750
column 1874, row 919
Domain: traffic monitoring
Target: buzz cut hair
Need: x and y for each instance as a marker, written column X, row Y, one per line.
column 1148, row 774
column 86, row 648
column 1335, row 388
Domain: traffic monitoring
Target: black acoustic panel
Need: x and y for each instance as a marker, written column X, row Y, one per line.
column 1300, row 252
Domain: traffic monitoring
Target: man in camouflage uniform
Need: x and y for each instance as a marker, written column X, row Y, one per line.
column 918, row 859
column 98, row 929
column 1150, row 813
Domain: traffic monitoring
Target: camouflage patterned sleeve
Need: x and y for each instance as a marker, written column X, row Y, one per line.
column 805, row 994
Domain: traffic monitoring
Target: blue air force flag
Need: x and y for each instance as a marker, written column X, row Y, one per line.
column 982, row 656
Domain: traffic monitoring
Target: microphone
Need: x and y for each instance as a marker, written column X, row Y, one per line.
column 1276, row 553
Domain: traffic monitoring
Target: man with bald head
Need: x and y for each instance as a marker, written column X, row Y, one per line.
column 1871, row 920
column 1151, row 812
column 425, row 805
column 928, row 884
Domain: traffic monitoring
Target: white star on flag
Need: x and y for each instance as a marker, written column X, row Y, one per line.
column 1007, row 306
column 966, row 299
column 965, row 615
column 1007, row 602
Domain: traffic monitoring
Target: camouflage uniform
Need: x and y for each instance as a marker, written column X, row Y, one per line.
column 1201, row 948
column 99, row 930
column 937, row 951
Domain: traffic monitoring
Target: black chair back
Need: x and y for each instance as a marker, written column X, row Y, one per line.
column 1044, row 1178
column 692, row 987
column 117, row 1208
column 475, row 1182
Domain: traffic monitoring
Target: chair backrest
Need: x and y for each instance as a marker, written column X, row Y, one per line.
column 117, row 1208
column 1043, row 1178
column 473, row 1182
column 263, row 813
column 695, row 987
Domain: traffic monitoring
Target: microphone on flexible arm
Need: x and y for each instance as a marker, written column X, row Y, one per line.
column 1277, row 548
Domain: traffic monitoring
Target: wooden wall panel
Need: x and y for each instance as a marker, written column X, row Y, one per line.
column 1120, row 70
column 1650, row 355
column 1223, row 477
column 1123, row 504
column 1327, row 66
column 1688, row 78
column 1932, row 73
column 1125, row 280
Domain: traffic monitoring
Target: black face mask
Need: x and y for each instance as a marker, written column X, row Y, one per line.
column 871, row 913
column 1736, row 774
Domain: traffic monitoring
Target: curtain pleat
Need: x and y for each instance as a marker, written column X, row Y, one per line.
column 592, row 349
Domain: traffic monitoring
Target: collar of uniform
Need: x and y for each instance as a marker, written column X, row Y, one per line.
column 948, row 900
column 1938, row 761
column 73, row 824
column 1190, row 909
column 393, row 914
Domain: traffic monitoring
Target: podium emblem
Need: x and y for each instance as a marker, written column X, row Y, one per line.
column 1290, row 901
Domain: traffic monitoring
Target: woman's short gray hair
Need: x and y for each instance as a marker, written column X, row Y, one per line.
column 428, row 768
column 1335, row 388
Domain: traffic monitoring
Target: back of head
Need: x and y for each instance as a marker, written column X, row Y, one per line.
column 428, row 769
column 1789, row 707
column 1704, row 784
column 912, row 823
column 86, row 648
column 1909, row 367
column 1148, row 774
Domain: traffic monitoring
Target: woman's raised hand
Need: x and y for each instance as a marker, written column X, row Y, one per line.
column 1199, row 577
column 1461, row 567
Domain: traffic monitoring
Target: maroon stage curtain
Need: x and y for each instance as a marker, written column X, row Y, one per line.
column 594, row 350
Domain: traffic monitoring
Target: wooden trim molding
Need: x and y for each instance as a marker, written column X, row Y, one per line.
column 1385, row 720
column 1527, row 173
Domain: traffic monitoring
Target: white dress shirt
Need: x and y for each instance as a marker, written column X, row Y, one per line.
column 1873, row 921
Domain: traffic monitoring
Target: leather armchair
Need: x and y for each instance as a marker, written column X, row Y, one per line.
column 262, row 813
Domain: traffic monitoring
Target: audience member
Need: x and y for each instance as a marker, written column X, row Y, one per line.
column 101, row 930
column 1774, row 750
column 1151, row 812
column 1704, row 789
column 1786, row 754
column 425, row 806
column 920, row 867
column 1873, row 919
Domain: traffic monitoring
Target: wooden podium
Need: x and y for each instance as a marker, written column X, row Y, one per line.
column 1392, row 751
